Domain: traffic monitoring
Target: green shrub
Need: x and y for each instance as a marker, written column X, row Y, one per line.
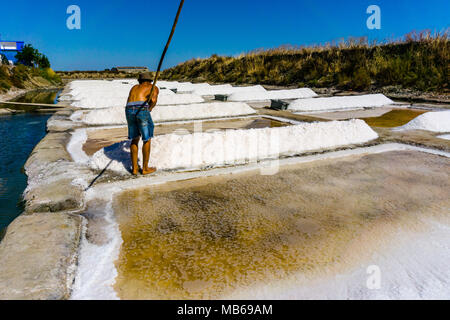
column 4, row 84
column 361, row 80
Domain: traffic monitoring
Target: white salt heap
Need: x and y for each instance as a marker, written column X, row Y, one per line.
column 227, row 89
column 214, row 89
column 189, row 87
column 179, row 99
column 272, row 94
column 95, row 94
column 430, row 121
column 167, row 84
column 336, row 103
column 233, row 147
column 116, row 115
column 98, row 101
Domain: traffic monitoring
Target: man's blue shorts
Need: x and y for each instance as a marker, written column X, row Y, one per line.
column 140, row 125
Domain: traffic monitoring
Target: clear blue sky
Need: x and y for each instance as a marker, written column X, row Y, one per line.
column 118, row 32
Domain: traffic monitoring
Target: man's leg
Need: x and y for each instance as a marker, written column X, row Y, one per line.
column 146, row 155
column 134, row 155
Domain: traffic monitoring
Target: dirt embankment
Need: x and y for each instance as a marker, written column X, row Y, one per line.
column 16, row 80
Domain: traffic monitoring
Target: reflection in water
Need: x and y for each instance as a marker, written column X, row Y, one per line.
column 47, row 96
column 206, row 238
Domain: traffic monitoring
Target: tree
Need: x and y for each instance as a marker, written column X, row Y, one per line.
column 31, row 57
column 43, row 62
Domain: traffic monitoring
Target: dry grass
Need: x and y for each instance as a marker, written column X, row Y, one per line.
column 419, row 60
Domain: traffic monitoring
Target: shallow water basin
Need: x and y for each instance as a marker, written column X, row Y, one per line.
column 394, row 118
column 213, row 237
column 385, row 117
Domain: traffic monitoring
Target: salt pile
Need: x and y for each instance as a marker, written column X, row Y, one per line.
column 445, row 136
column 335, row 103
column 167, row 84
column 179, row 99
column 183, row 87
column 190, row 87
column 227, row 89
column 273, row 94
column 232, row 147
column 291, row 94
column 98, row 101
column 213, row 90
column 172, row 84
column 94, row 94
column 430, row 121
column 116, row 115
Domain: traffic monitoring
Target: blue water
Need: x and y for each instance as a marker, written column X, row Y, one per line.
column 19, row 135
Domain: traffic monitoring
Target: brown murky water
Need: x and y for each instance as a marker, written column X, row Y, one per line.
column 377, row 117
column 207, row 237
column 98, row 139
column 394, row 118
column 352, row 114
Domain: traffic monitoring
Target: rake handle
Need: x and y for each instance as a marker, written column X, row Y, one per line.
column 164, row 52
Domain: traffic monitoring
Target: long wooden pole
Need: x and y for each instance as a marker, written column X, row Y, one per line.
column 164, row 52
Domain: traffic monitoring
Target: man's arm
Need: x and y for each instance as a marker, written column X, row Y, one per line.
column 154, row 99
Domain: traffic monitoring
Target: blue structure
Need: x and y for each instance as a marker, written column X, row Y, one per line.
column 10, row 49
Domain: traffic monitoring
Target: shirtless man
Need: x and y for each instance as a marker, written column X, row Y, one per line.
column 140, row 124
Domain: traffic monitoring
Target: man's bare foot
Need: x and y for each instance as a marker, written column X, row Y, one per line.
column 135, row 172
column 148, row 171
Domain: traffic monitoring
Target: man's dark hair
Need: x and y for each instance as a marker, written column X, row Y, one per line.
column 141, row 81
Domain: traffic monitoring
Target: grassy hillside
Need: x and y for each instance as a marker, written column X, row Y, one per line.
column 95, row 74
column 23, row 77
column 418, row 61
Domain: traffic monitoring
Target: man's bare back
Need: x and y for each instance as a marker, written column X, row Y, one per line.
column 141, row 92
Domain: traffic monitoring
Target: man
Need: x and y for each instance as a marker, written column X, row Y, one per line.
column 140, row 123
